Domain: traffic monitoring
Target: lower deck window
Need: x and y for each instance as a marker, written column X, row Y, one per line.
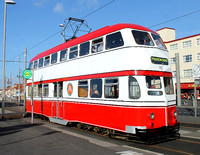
column 96, row 88
column 83, row 89
column 46, row 90
column 111, row 88
column 134, row 88
column 169, row 87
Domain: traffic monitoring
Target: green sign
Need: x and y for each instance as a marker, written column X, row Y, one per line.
column 27, row 74
column 160, row 61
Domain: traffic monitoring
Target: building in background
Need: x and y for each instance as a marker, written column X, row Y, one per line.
column 189, row 55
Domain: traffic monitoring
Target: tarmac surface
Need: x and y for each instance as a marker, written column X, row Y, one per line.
column 19, row 136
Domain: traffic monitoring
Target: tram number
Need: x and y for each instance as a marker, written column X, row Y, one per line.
column 160, row 61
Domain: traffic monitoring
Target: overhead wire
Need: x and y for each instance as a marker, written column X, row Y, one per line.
column 175, row 18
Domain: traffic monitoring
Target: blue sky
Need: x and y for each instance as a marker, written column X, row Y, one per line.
column 30, row 22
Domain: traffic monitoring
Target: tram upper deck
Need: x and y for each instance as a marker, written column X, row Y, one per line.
column 121, row 47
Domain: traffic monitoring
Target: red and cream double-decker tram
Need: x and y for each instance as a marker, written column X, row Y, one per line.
column 117, row 79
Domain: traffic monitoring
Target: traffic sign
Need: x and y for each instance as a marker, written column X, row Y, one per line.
column 27, row 74
column 196, row 71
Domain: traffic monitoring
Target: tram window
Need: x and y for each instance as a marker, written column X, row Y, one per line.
column 40, row 90
column 155, row 93
column 35, row 64
column 58, row 85
column 84, row 49
column 35, row 90
column 63, row 55
column 153, row 82
column 134, row 88
column 97, row 45
column 111, row 88
column 31, row 65
column 142, row 38
column 169, row 87
column 45, row 90
column 46, row 60
column 29, row 91
column 73, row 52
column 41, row 62
column 114, row 40
column 54, row 58
column 159, row 42
column 83, row 89
column 96, row 88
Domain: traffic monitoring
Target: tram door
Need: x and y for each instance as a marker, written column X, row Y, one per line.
column 57, row 106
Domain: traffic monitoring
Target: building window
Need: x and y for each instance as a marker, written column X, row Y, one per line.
column 173, row 47
column 188, row 73
column 84, row 49
column 187, row 58
column 173, row 60
column 83, row 89
column 198, row 56
column 96, row 88
column 114, row 40
column 198, row 41
column 187, row 44
column 111, row 88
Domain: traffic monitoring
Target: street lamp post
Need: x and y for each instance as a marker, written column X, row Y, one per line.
column 19, row 90
column 63, row 32
column 4, row 49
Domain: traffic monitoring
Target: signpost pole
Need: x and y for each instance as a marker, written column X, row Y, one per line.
column 32, row 89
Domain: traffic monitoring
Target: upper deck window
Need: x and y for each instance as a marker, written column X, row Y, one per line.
column 63, row 55
column 73, row 52
column 31, row 65
column 84, row 48
column 46, row 60
column 158, row 40
column 142, row 38
column 54, row 58
column 114, row 40
column 41, row 62
column 97, row 45
column 35, row 64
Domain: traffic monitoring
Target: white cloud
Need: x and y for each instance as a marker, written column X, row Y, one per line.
column 59, row 8
column 39, row 3
column 88, row 3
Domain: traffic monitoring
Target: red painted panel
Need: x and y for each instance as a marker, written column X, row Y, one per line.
column 112, row 117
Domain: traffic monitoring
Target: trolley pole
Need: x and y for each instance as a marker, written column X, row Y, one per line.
column 178, row 85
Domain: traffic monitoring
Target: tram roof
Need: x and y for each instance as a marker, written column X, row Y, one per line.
column 89, row 36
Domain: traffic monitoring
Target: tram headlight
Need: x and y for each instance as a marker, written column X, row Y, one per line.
column 175, row 113
column 152, row 116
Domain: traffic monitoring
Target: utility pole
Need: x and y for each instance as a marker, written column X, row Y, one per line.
column 178, row 85
column 25, row 59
